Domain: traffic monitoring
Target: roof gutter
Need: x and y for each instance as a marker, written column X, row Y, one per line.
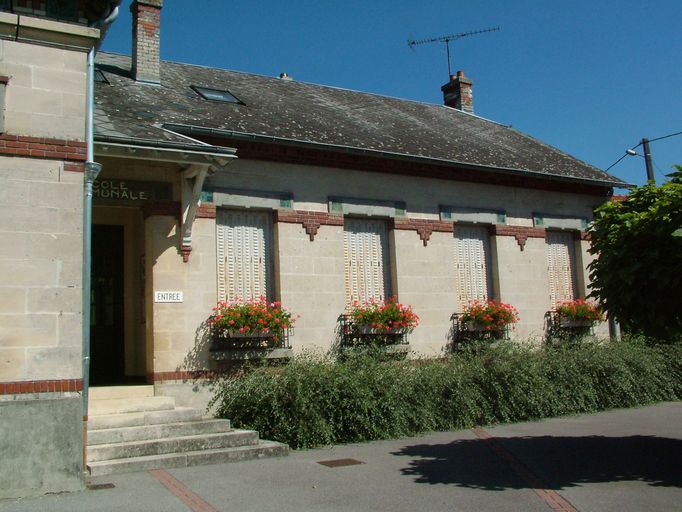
column 199, row 148
column 221, row 133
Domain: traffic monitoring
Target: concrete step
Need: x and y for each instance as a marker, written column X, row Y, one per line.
column 108, row 392
column 192, row 458
column 148, row 432
column 133, row 419
column 124, row 405
column 177, row 444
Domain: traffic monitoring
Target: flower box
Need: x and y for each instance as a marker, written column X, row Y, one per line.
column 366, row 329
column 242, row 335
column 574, row 323
column 251, row 329
column 488, row 316
column 473, row 327
column 578, row 313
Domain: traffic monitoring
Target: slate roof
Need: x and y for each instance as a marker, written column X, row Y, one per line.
column 289, row 111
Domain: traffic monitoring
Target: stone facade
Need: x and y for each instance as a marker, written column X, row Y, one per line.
column 308, row 253
column 42, row 151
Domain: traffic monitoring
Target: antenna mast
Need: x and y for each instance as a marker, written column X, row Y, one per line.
column 446, row 39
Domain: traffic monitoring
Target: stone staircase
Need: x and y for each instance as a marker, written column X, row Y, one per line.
column 130, row 429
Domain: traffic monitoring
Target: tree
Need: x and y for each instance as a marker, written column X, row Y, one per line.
column 637, row 276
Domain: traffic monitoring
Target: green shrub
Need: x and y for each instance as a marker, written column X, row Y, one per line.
column 316, row 402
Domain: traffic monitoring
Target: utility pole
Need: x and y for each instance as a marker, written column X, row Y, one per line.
column 647, row 160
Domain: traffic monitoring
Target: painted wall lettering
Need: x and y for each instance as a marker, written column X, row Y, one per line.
column 130, row 191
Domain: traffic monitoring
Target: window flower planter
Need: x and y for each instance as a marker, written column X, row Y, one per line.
column 574, row 323
column 381, row 324
column 482, row 321
column 255, row 329
column 234, row 346
column 367, row 329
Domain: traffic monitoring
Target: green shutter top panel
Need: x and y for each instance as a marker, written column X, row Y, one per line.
column 367, row 207
column 243, row 198
column 472, row 215
column 551, row 220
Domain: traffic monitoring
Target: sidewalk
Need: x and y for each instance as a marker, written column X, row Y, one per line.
column 624, row 460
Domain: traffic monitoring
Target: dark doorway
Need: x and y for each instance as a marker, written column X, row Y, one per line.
column 107, row 359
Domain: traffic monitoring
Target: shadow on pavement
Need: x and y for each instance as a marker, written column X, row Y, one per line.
column 559, row 462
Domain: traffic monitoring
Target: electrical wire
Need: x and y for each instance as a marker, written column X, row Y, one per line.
column 614, row 163
column 664, row 137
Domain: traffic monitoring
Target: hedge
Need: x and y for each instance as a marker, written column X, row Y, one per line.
column 312, row 402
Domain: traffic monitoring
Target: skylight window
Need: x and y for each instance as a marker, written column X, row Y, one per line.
column 216, row 95
column 100, row 78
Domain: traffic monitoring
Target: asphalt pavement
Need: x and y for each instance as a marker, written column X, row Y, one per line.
column 621, row 460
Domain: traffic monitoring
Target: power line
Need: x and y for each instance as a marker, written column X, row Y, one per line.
column 614, row 163
column 665, row 136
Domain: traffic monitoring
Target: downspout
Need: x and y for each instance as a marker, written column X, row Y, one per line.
column 92, row 169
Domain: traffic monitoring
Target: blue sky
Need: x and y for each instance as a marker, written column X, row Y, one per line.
column 589, row 77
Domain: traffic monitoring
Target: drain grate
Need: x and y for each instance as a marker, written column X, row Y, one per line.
column 338, row 463
column 99, row 487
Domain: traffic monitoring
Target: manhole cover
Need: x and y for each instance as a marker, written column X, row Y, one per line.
column 337, row 463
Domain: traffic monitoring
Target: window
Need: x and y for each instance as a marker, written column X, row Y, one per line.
column 216, row 94
column 244, row 250
column 561, row 266
column 367, row 268
column 472, row 264
column 100, row 77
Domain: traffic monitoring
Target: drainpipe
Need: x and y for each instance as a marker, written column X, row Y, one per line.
column 92, row 169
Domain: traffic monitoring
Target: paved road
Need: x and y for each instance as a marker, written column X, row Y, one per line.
column 624, row 460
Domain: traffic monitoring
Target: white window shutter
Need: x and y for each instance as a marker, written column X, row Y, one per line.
column 561, row 266
column 472, row 264
column 366, row 260
column 244, row 248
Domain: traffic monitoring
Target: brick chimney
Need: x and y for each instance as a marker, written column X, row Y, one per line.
column 457, row 93
column 146, row 40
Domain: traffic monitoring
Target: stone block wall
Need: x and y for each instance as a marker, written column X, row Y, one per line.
column 41, row 269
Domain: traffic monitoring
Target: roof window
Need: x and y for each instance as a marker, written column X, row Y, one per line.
column 100, row 78
column 216, row 95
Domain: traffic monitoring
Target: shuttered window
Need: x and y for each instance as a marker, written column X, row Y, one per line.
column 244, row 249
column 472, row 264
column 561, row 266
column 367, row 267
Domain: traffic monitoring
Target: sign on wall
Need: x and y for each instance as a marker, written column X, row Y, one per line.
column 169, row 296
column 130, row 191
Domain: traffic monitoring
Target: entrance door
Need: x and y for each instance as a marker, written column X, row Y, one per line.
column 106, row 302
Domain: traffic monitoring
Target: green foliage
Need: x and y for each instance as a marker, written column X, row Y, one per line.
column 317, row 402
column 637, row 276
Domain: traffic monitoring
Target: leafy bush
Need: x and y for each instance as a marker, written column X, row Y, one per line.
column 636, row 276
column 316, row 402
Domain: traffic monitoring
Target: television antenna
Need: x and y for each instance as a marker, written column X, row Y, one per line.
column 446, row 39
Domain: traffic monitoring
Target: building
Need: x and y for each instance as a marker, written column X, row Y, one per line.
column 217, row 184
column 44, row 48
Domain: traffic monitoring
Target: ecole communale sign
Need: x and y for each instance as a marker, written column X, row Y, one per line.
column 130, row 191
